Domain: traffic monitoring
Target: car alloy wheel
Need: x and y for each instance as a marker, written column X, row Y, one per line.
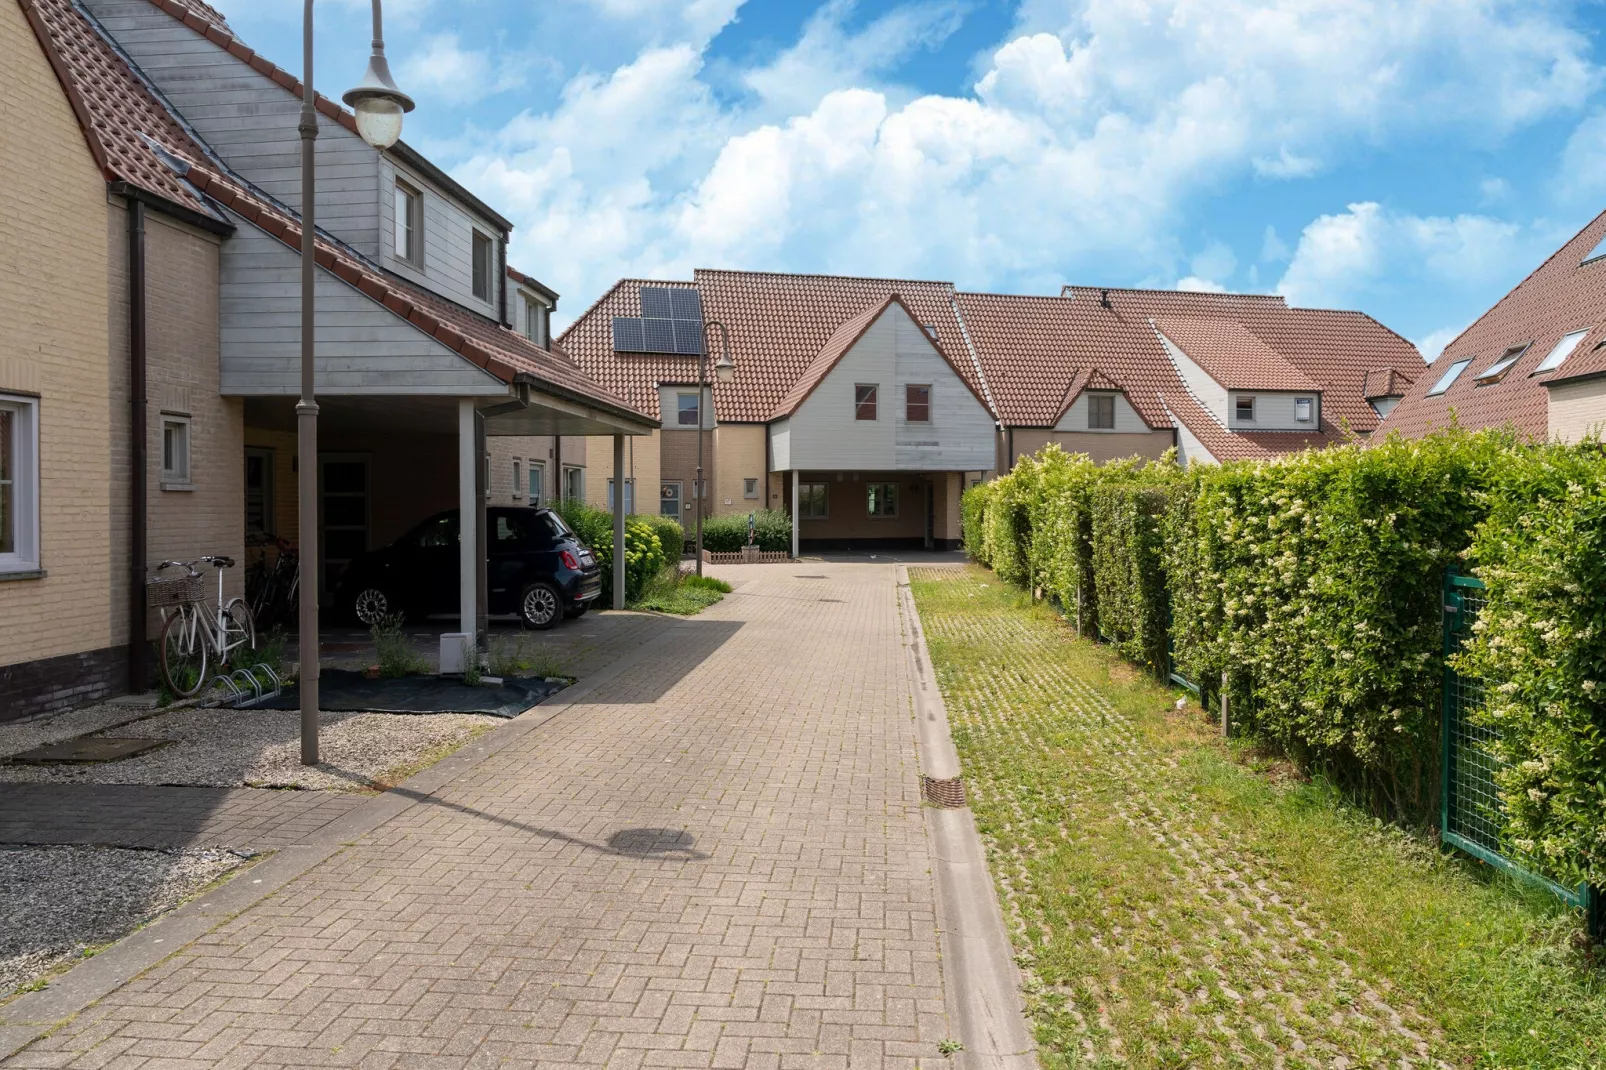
column 371, row 605
column 540, row 607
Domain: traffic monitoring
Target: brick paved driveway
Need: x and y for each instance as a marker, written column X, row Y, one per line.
column 719, row 859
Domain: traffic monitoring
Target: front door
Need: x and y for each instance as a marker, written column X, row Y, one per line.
column 537, row 483
column 669, row 499
column 259, row 492
column 343, row 516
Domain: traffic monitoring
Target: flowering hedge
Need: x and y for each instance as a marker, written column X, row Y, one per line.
column 1313, row 583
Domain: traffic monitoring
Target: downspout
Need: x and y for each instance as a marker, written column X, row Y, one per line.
column 501, row 256
column 138, row 682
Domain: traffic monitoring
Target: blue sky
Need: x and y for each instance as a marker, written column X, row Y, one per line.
column 1413, row 159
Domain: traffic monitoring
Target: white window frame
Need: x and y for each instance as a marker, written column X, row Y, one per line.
column 488, row 276
column 580, row 480
column 24, row 447
column 407, row 231
column 1448, row 379
column 630, row 496
column 520, row 491
column 895, row 495
column 1238, row 402
column 750, row 487
column 1561, row 351
column 535, row 321
column 178, row 477
column 679, row 412
column 533, row 467
column 825, row 500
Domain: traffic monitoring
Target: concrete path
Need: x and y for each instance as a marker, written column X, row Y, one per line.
column 718, row 858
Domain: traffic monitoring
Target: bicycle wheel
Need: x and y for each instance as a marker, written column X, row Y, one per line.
column 183, row 653
column 239, row 628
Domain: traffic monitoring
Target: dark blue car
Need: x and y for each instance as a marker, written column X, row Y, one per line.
column 535, row 567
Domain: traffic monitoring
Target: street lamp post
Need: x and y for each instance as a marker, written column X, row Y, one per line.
column 379, row 106
column 724, row 371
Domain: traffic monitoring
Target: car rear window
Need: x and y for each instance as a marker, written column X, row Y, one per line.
column 552, row 525
column 516, row 528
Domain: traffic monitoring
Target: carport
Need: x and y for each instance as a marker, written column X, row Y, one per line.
column 409, row 385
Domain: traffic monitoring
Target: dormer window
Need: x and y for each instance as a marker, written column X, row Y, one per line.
column 482, row 266
column 1101, row 412
column 535, row 321
column 1304, row 410
column 686, row 410
column 409, row 224
column 1245, row 409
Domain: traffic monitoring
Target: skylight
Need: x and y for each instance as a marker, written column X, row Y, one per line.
column 1497, row 371
column 1596, row 253
column 1563, row 350
column 1451, row 374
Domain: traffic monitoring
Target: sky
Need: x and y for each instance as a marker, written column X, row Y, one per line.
column 1410, row 159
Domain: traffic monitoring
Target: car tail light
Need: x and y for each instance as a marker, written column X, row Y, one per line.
column 568, row 560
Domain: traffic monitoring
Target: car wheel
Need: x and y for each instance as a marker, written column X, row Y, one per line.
column 540, row 606
column 371, row 605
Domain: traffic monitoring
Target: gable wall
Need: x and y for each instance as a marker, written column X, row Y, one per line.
column 1127, row 420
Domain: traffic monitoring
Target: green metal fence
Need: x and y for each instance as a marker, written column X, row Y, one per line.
column 1471, row 815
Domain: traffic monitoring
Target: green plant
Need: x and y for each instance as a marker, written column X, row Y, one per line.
column 394, row 649
column 644, row 553
column 949, row 1046
column 517, row 657
column 727, row 532
column 681, row 593
column 671, row 536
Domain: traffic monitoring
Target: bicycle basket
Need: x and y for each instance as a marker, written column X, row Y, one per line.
column 174, row 591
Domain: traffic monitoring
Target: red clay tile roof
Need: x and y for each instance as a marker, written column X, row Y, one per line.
column 778, row 325
column 113, row 106
column 1231, row 355
column 1227, row 445
column 1562, row 295
column 1385, row 383
column 502, row 352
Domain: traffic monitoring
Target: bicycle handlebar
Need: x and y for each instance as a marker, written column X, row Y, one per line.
column 215, row 560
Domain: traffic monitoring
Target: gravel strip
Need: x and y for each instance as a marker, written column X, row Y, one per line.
column 61, row 900
column 261, row 748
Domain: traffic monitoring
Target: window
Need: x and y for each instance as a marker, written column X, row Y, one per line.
column 518, row 481
column 436, row 533
column 686, row 410
column 1597, row 252
column 811, row 500
column 931, row 330
column 883, row 499
column 1303, row 410
column 175, row 450
column 864, row 400
column 409, row 225
column 1497, row 371
column 259, row 491
column 630, row 496
column 535, row 321
column 482, row 266
column 516, row 529
column 1245, row 408
column 669, row 499
column 537, row 481
column 749, row 488
column 1563, row 350
column 19, row 484
column 1101, row 412
column 574, row 483
column 1451, row 374
column 917, row 404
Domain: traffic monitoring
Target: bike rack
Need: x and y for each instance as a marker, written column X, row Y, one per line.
column 242, row 688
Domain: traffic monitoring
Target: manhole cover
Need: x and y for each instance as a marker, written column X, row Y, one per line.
column 651, row 841
column 89, row 749
column 948, row 794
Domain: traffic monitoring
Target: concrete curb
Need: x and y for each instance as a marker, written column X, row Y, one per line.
column 37, row 1014
column 981, row 985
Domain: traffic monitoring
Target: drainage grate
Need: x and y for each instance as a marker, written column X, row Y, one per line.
column 946, row 794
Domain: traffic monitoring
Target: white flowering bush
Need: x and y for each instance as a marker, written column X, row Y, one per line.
column 1541, row 639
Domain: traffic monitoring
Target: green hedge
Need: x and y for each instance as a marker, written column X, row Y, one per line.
column 644, row 552
column 727, row 532
column 1313, row 583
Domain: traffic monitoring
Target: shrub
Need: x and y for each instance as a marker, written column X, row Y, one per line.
column 973, row 507
column 679, row 592
column 1540, row 642
column 671, row 536
column 644, row 553
column 1059, row 549
column 394, row 650
column 727, row 532
column 1126, row 509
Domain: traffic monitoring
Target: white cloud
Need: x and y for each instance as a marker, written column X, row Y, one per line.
column 1286, row 165
column 1194, row 284
column 1432, row 345
column 1581, row 175
column 446, row 70
column 1272, row 247
column 1343, row 258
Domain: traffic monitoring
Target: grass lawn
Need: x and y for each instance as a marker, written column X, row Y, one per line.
column 681, row 593
column 1176, row 901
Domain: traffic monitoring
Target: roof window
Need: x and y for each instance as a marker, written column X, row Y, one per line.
column 1596, row 253
column 1451, row 374
column 1563, row 350
column 1497, row 371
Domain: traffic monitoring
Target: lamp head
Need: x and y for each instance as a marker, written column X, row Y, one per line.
column 724, row 370
column 379, row 104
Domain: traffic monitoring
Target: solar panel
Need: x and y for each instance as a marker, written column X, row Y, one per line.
column 687, row 304
column 658, row 335
column 627, row 335
column 688, row 337
column 655, row 303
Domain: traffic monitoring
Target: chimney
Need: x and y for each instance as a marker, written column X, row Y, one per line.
column 1104, row 298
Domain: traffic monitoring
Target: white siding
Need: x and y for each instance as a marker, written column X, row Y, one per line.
column 892, row 353
column 1274, row 411
column 1211, row 394
column 362, row 347
column 448, row 242
column 781, row 447
column 250, row 120
column 1189, row 449
column 669, row 407
column 1127, row 420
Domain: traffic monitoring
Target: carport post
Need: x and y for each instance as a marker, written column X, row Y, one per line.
column 468, row 514
column 619, row 521
column 794, row 514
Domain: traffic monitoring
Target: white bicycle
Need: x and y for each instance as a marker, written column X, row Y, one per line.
column 194, row 633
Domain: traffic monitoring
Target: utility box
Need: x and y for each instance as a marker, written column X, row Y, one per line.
column 454, row 653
